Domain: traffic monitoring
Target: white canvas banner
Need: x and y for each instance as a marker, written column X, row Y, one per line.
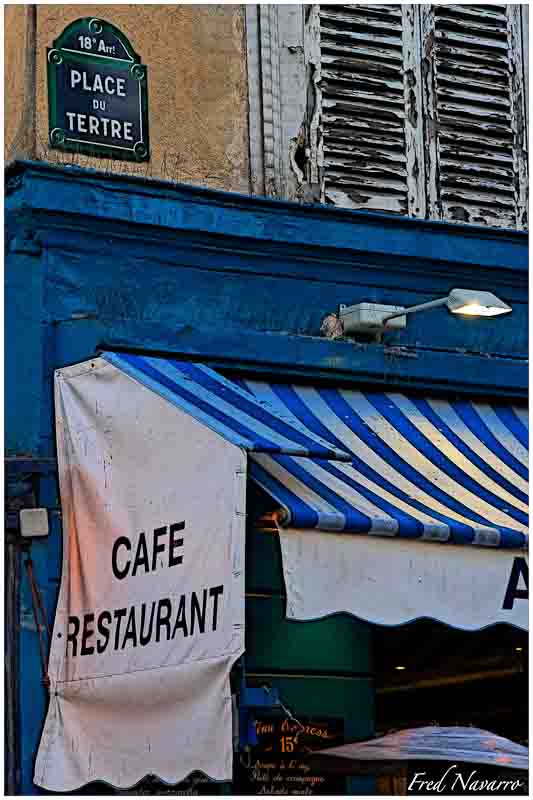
column 150, row 616
column 394, row 581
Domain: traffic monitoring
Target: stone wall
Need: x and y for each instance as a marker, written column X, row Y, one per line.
column 197, row 89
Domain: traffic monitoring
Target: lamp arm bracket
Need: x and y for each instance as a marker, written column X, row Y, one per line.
column 421, row 307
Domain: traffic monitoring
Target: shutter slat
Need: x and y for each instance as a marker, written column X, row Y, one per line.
column 359, row 198
column 464, row 113
column 469, row 155
column 344, row 121
column 366, row 20
column 375, row 9
column 450, row 91
column 366, row 171
column 345, row 55
column 376, row 84
column 478, row 183
column 457, row 69
column 363, row 107
column 362, row 138
column 475, row 142
column 456, row 79
column 497, row 217
column 354, row 37
column 451, row 25
column 388, row 99
column 470, row 128
column 488, row 170
column 447, row 50
column 471, row 43
column 490, row 14
column 471, row 196
column 362, row 182
column 365, row 153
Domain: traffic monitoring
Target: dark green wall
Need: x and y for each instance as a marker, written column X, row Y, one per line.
column 320, row 668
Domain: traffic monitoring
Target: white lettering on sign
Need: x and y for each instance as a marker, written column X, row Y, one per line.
column 106, row 85
column 82, row 128
column 100, row 126
column 103, row 48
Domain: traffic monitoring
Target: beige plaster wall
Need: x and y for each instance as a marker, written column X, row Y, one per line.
column 197, row 90
column 19, row 81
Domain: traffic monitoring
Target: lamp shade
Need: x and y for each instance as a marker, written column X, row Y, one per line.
column 475, row 303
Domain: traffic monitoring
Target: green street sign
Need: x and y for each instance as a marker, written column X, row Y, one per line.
column 97, row 93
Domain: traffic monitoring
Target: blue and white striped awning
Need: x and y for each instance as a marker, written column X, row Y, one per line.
column 385, row 464
column 420, row 468
column 225, row 407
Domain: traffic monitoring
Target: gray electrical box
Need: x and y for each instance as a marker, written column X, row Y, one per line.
column 368, row 317
column 34, row 522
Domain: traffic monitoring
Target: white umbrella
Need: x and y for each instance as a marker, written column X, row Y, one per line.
column 458, row 744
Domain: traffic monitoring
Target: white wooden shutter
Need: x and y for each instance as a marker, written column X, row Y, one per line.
column 475, row 114
column 372, row 147
column 411, row 109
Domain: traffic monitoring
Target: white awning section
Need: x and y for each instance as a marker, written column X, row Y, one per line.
column 397, row 581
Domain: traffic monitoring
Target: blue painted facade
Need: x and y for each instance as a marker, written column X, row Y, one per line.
column 98, row 262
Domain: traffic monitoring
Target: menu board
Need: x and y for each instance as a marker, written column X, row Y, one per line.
column 277, row 764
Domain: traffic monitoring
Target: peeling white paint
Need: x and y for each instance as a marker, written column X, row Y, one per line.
column 473, row 96
column 312, row 50
column 423, row 111
column 364, row 107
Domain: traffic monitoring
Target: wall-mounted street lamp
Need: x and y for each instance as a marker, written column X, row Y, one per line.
column 373, row 318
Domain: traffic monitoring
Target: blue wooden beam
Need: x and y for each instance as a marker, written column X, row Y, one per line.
column 294, row 358
column 88, row 194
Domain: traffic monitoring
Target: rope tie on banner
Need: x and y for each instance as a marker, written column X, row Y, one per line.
column 287, row 711
column 38, row 609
